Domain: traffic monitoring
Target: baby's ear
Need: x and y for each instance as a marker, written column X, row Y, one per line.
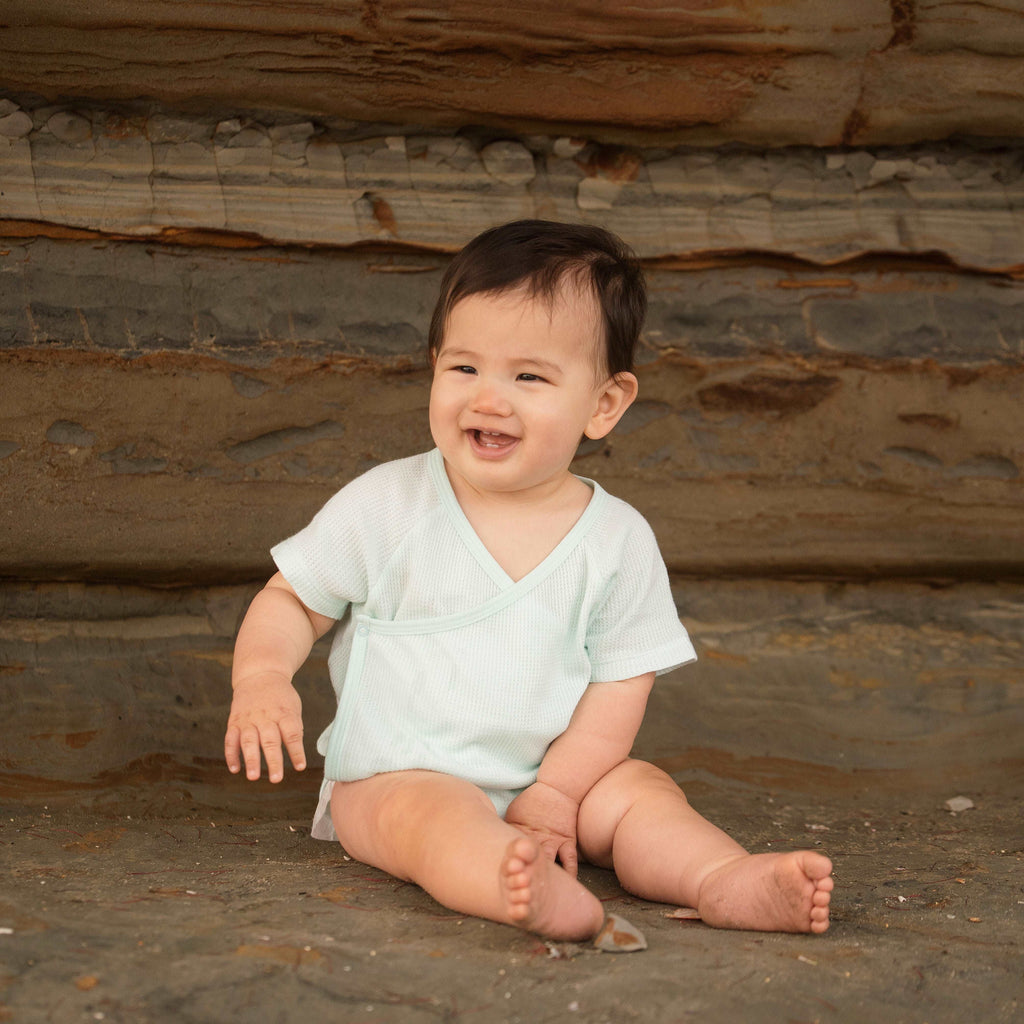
column 615, row 398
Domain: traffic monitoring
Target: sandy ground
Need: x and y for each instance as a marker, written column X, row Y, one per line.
column 186, row 905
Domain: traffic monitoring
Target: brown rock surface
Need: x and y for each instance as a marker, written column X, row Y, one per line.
column 859, row 421
column 113, row 689
column 759, row 72
column 180, row 469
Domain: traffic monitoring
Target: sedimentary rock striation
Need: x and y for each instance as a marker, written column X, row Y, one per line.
column 761, row 72
column 69, row 169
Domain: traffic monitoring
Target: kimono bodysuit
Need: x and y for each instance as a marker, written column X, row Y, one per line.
column 443, row 661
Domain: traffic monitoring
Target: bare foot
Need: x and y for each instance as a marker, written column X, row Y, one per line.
column 769, row 892
column 542, row 897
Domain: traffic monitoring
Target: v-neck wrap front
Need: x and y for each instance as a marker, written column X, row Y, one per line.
column 442, row 661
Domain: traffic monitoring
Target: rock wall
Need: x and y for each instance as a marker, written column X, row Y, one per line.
column 784, row 425
column 831, row 369
column 221, row 233
column 764, row 72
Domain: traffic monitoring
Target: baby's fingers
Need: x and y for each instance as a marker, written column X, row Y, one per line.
column 251, row 741
column 274, row 739
column 232, row 748
column 244, row 742
column 291, row 734
column 568, row 857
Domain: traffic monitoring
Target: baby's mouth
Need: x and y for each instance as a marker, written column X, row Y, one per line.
column 493, row 440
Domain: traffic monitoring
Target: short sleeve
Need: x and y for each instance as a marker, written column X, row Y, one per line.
column 327, row 562
column 635, row 627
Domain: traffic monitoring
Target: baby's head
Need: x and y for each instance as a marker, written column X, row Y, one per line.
column 544, row 257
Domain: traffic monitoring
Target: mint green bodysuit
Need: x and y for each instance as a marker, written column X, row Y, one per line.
column 442, row 661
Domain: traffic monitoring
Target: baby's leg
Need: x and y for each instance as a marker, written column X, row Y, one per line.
column 637, row 821
column 443, row 834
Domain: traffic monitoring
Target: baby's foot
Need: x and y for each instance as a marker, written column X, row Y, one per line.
column 541, row 897
column 770, row 892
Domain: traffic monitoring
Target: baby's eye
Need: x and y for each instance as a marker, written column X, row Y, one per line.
column 464, row 369
column 529, row 377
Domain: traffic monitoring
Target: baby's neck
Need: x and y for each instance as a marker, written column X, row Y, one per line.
column 520, row 531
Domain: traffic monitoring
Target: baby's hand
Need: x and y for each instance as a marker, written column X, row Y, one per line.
column 266, row 714
column 549, row 817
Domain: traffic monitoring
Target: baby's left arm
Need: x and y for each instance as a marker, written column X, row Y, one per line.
column 600, row 736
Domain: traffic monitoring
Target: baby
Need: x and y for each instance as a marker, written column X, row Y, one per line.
column 503, row 623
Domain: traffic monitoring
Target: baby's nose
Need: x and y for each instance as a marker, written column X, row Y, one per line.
column 489, row 397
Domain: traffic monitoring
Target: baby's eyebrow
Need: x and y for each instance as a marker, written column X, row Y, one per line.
column 457, row 353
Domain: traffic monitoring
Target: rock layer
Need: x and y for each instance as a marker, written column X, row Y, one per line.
column 761, row 72
column 246, row 180
column 176, row 468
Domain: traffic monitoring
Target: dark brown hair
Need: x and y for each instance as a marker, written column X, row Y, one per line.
column 540, row 254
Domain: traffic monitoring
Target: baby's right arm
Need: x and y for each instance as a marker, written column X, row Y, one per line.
column 274, row 640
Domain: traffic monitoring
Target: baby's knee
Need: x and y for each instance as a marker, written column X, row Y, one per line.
column 641, row 777
column 629, row 785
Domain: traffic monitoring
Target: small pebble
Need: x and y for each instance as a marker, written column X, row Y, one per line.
column 956, row 804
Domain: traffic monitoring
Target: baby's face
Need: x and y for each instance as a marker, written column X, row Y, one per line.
column 516, row 385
